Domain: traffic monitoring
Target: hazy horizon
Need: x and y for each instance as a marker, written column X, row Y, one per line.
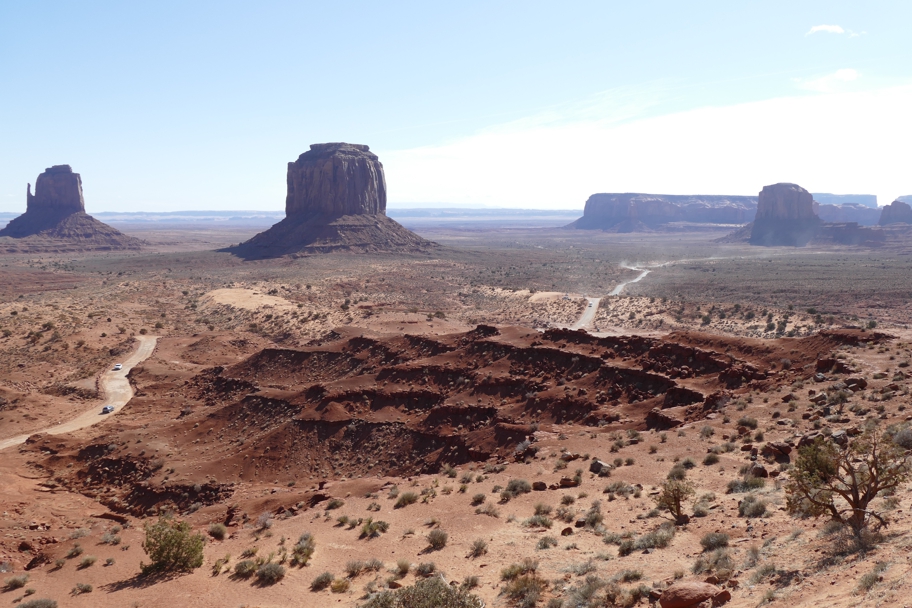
column 170, row 106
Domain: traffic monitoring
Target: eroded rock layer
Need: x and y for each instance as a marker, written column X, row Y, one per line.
column 631, row 212
column 896, row 212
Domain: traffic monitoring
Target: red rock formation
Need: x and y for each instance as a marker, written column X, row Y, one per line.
column 55, row 219
column 896, row 212
column 785, row 216
column 633, row 211
column 336, row 201
column 336, row 179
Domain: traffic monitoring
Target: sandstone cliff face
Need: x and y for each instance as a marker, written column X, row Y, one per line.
column 336, row 179
column 57, row 191
column 55, row 219
column 785, row 202
column 847, row 212
column 336, row 201
column 896, row 212
column 785, row 217
column 632, row 211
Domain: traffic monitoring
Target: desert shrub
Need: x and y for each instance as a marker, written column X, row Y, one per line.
column 593, row 517
column 15, row 582
column 425, row 569
column 87, row 562
column 538, row 521
column 567, row 500
column 110, row 538
column 712, row 561
column 745, row 484
column 487, row 509
column 321, row 582
column 677, row 472
column 672, row 496
column 373, row 529
column 405, row 499
column 706, row 432
column 526, row 566
column 628, row 576
column 218, row 531
column 478, row 499
column 747, row 421
column 402, row 567
column 339, row 585
column 546, row 542
column 172, row 547
column 437, row 539
column 354, row 568
column 270, row 573
column 75, row 551
column 335, row 503
column 525, row 590
column 752, row 506
column 688, row 463
column 39, row 603
column 479, row 548
column 303, row 550
column 427, row 593
column 714, row 540
column 700, row 510
column 711, row 459
column 245, row 568
column 867, row 581
column 81, row 588
column 518, row 486
column 841, row 482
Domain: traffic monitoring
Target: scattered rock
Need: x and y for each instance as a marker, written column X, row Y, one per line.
column 539, row 486
column 691, row 594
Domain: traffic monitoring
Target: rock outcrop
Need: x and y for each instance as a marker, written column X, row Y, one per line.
column 336, row 201
column 785, row 216
column 847, row 212
column 630, row 212
column 336, row 179
column 55, row 219
column 896, row 212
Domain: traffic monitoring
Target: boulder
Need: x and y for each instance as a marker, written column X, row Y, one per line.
column 597, row 466
column 691, row 594
column 785, row 216
column 758, row 470
column 657, row 419
column 896, row 212
column 539, row 486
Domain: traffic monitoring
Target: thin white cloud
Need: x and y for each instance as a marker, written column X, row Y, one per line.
column 839, row 142
column 830, row 29
column 829, row 83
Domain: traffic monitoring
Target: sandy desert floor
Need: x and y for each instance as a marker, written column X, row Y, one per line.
column 228, row 329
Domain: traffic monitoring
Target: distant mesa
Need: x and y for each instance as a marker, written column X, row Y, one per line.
column 785, row 216
column 896, row 212
column 847, row 212
column 634, row 212
column 862, row 200
column 336, row 201
column 55, row 219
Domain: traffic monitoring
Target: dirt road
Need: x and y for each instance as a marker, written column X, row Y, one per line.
column 588, row 315
column 114, row 385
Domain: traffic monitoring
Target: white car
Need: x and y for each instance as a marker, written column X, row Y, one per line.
column 118, row 367
column 107, row 409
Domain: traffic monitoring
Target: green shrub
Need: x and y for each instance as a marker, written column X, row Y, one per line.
column 752, row 506
column 714, row 540
column 335, row 503
column 437, row 539
column 425, row 569
column 747, row 421
column 218, row 531
column 426, row 593
column 40, row 603
column 479, row 548
column 172, row 547
column 405, row 499
column 245, row 568
column 270, row 573
column 81, row 588
column 321, row 582
column 15, row 582
column 303, row 550
column 711, row 459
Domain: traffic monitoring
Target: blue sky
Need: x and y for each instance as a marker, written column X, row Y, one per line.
column 200, row 105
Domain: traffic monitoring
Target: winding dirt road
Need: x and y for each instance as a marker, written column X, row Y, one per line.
column 117, row 391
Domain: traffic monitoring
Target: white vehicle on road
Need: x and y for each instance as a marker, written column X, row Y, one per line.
column 118, row 367
column 107, row 409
